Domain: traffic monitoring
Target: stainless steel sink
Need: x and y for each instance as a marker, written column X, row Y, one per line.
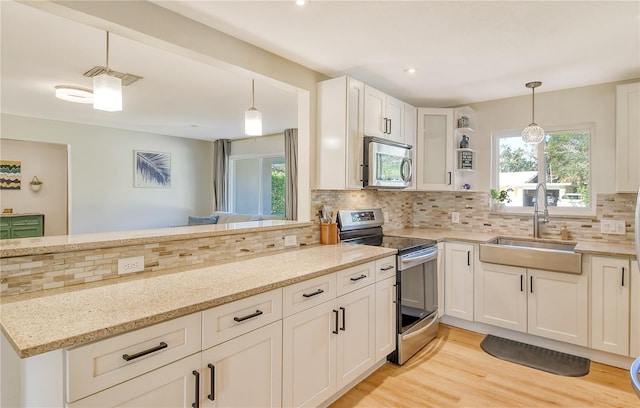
column 533, row 253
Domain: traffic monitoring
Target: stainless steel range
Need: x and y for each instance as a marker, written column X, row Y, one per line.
column 416, row 278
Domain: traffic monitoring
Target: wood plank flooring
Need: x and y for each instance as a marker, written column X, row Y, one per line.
column 453, row 371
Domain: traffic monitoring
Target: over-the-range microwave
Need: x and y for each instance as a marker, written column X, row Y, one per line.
column 386, row 164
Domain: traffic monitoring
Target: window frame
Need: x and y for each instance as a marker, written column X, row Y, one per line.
column 568, row 212
column 261, row 158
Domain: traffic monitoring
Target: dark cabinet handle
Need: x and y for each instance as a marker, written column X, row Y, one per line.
column 161, row 346
column 344, row 318
column 623, row 276
column 358, row 278
column 386, row 268
column 521, row 283
column 243, row 318
column 317, row 292
column 386, row 127
column 212, row 396
column 468, row 258
column 336, row 313
column 197, row 403
column 531, row 283
column 449, row 178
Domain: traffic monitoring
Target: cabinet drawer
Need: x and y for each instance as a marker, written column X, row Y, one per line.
column 96, row 366
column 355, row 277
column 225, row 322
column 18, row 221
column 385, row 268
column 309, row 293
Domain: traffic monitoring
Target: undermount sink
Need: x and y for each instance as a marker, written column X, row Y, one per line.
column 533, row 253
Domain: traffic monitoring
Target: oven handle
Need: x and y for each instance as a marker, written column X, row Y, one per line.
column 424, row 258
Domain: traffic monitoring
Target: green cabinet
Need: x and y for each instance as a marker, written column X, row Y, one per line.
column 21, row 226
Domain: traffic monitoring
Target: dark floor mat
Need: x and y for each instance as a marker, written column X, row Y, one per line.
column 536, row 357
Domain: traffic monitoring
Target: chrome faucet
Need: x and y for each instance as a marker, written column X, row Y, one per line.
column 536, row 212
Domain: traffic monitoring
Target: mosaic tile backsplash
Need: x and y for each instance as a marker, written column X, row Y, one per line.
column 404, row 208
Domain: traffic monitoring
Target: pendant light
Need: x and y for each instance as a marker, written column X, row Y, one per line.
column 107, row 89
column 533, row 134
column 253, row 117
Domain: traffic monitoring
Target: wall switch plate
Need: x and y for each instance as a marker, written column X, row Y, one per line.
column 455, row 217
column 130, row 265
column 290, row 240
column 616, row 227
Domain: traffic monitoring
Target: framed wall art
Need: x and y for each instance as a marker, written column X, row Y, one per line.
column 10, row 175
column 152, row 169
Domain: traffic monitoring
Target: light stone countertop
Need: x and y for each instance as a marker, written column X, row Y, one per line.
column 583, row 247
column 68, row 243
column 38, row 325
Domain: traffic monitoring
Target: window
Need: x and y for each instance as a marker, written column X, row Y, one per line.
column 257, row 185
column 562, row 162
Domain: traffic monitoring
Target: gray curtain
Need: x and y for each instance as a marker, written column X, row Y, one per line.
column 291, row 176
column 221, row 152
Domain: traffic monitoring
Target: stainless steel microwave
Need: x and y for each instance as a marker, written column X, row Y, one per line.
column 386, row 164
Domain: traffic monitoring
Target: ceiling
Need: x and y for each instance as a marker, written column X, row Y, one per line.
column 464, row 52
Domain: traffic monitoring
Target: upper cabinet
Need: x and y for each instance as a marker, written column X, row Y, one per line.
column 340, row 133
column 383, row 115
column 628, row 137
column 434, row 153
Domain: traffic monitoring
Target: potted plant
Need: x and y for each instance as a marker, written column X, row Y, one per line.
column 499, row 198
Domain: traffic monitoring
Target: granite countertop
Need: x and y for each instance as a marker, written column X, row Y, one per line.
column 68, row 243
column 41, row 324
column 583, row 247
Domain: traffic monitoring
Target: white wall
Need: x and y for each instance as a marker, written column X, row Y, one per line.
column 47, row 161
column 592, row 104
column 102, row 194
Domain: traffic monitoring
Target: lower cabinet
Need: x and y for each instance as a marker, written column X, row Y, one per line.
column 634, row 335
column 544, row 303
column 21, row 226
column 328, row 346
column 458, row 280
column 385, row 317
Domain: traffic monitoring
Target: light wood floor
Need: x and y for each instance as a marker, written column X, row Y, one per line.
column 453, row 371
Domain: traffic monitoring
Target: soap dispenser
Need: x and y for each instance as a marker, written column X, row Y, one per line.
column 564, row 232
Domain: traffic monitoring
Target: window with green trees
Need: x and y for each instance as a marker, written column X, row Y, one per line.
column 257, row 185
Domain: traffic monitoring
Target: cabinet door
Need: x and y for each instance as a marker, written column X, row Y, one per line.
column 245, row 371
column 458, row 285
column 374, row 106
column 610, row 304
column 356, row 339
column 435, row 149
column 440, row 274
column 394, row 113
column 501, row 297
column 385, row 318
column 558, row 307
column 634, row 335
column 628, row 137
column 309, row 355
column 171, row 386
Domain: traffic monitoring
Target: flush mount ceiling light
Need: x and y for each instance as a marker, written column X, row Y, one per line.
column 253, row 117
column 74, row 93
column 533, row 134
column 107, row 89
column 301, row 2
column 410, row 70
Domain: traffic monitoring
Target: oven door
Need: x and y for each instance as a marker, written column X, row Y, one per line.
column 386, row 164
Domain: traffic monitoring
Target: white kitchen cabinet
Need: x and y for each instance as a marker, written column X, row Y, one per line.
column 610, row 280
column 634, row 329
column 458, row 280
column 558, row 306
column 383, row 115
column 434, row 142
column 501, row 296
column 340, row 134
column 174, row 385
column 245, row 371
column 628, row 137
column 385, row 317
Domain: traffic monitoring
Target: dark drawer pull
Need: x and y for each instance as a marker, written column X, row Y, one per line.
column 161, row 346
column 386, row 268
column 197, row 395
column 243, row 318
column 358, row 278
column 317, row 292
column 212, row 396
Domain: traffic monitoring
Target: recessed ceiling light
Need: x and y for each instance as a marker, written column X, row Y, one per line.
column 74, row 93
column 301, row 2
column 410, row 70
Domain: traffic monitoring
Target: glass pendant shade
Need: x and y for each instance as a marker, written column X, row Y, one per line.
column 253, row 122
column 107, row 93
column 533, row 134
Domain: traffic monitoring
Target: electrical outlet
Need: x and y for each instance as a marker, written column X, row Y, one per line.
column 455, row 217
column 613, row 227
column 385, row 215
column 290, row 240
column 130, row 265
